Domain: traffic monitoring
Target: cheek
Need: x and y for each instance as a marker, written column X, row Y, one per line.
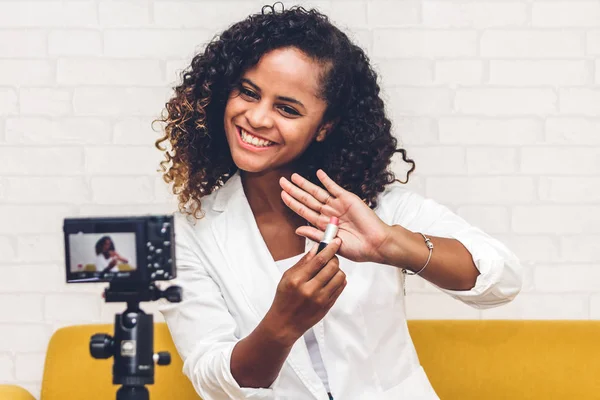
column 297, row 131
column 234, row 106
column 305, row 136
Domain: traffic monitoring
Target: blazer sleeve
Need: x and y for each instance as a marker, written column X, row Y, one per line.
column 500, row 278
column 203, row 330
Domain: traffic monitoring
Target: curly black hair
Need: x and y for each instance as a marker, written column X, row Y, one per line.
column 359, row 148
column 100, row 244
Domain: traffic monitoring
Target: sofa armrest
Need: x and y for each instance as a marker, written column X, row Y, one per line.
column 14, row 392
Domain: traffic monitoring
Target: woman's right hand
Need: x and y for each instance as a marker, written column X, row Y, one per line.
column 305, row 293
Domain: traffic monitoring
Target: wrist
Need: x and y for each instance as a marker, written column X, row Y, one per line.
column 274, row 332
column 396, row 250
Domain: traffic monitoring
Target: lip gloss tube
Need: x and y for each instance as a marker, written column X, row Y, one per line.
column 330, row 233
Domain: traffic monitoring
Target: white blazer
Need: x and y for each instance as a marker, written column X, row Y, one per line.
column 229, row 281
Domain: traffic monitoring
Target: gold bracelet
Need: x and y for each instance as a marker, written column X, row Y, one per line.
column 430, row 247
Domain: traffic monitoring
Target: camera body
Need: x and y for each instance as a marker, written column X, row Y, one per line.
column 120, row 250
column 131, row 253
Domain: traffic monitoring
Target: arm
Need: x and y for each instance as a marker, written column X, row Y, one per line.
column 257, row 359
column 451, row 265
column 122, row 259
column 304, row 295
column 220, row 364
column 118, row 257
column 469, row 265
column 111, row 264
column 458, row 247
column 205, row 333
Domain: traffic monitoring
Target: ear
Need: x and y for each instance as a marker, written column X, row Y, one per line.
column 324, row 130
column 321, row 134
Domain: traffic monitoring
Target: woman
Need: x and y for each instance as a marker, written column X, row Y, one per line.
column 276, row 127
column 106, row 256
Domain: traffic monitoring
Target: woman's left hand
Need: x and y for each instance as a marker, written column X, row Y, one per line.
column 362, row 232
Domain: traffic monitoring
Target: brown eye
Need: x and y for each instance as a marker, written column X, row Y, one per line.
column 248, row 92
column 289, row 110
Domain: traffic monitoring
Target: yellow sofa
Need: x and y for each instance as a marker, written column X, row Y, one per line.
column 483, row 360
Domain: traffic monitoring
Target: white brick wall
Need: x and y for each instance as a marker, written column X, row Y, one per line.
column 532, row 43
column 576, row 14
column 497, row 101
column 481, row 14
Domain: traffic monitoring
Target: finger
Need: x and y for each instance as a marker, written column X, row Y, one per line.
column 311, row 253
column 317, row 262
column 313, row 234
column 306, row 257
column 336, row 280
column 306, row 198
column 337, row 291
column 330, row 185
column 303, row 211
column 314, row 250
column 325, row 293
column 317, row 192
column 325, row 274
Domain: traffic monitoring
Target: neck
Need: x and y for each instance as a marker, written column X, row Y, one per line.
column 263, row 192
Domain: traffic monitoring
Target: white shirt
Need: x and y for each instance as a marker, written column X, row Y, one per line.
column 229, row 280
column 102, row 262
column 309, row 336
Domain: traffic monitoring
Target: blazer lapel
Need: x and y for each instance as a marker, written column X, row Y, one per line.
column 243, row 247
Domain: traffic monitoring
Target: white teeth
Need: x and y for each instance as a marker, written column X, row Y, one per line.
column 253, row 140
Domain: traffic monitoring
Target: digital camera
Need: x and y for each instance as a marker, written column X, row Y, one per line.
column 124, row 250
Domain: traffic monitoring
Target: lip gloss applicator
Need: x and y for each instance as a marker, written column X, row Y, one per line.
column 330, row 233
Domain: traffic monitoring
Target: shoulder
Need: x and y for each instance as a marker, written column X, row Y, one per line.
column 395, row 191
column 192, row 238
column 188, row 224
column 192, row 229
column 398, row 201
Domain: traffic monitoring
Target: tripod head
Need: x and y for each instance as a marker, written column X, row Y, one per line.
column 133, row 341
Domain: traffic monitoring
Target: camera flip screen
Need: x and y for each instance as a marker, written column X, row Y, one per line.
column 120, row 249
column 102, row 255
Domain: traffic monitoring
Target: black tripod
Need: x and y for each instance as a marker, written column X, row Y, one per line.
column 133, row 343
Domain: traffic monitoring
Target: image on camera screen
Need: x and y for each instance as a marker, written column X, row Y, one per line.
column 102, row 254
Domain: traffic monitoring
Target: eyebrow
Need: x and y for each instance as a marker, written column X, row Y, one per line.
column 284, row 98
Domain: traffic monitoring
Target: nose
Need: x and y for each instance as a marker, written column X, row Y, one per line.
column 258, row 116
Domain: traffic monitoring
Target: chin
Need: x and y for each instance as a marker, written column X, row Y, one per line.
column 244, row 164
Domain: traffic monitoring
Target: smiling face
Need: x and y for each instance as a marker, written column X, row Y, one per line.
column 106, row 246
column 274, row 114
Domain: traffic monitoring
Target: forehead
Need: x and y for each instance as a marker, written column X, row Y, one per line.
column 287, row 71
